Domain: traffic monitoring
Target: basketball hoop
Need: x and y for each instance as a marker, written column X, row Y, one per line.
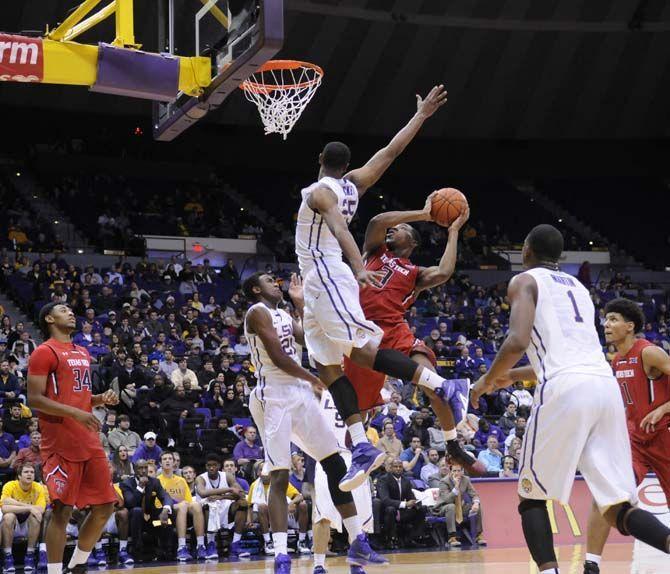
column 281, row 89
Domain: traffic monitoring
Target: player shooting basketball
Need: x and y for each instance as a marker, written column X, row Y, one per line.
column 389, row 244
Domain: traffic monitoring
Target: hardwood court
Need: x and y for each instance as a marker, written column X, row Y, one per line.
column 619, row 559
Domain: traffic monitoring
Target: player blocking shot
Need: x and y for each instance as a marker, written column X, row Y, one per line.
column 643, row 372
column 390, row 241
column 285, row 409
column 334, row 322
column 75, row 467
column 577, row 420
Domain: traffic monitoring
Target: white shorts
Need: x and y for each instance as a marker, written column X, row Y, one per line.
column 110, row 526
column 324, row 509
column 334, row 322
column 286, row 413
column 219, row 514
column 577, row 422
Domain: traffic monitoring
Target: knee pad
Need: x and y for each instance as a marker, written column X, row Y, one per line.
column 344, row 397
column 335, row 469
column 621, row 517
column 527, row 504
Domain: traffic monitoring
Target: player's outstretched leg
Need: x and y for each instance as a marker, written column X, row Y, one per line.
column 445, row 414
column 640, row 524
column 365, row 458
column 537, row 532
column 360, row 552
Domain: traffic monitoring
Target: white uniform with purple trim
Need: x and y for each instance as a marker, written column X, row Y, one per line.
column 323, row 507
column 577, row 421
column 283, row 407
column 334, row 322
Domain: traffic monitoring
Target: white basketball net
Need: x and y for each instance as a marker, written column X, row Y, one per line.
column 281, row 95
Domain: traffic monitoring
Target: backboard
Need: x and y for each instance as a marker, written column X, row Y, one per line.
column 237, row 36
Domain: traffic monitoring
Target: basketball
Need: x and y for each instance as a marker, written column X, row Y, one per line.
column 447, row 204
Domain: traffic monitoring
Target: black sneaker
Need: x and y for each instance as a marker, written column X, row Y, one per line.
column 473, row 466
column 78, row 569
column 591, row 567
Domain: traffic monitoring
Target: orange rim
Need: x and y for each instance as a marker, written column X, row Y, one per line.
column 271, row 65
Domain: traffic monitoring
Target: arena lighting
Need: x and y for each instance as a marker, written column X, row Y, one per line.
column 381, row 197
column 80, row 251
column 55, row 222
column 560, row 221
column 590, row 242
column 18, row 174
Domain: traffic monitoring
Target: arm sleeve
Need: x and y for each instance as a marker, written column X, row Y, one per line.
column 42, row 362
column 7, row 490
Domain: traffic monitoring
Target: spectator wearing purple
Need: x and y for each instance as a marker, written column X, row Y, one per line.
column 392, row 414
column 7, row 450
column 486, row 430
column 98, row 349
column 465, row 365
column 85, row 337
column 148, row 450
column 413, row 458
column 247, row 450
column 480, row 359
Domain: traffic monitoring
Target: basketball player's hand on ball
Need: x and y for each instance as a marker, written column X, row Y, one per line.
column 367, row 278
column 110, row 398
column 460, row 220
column 435, row 99
column 428, row 206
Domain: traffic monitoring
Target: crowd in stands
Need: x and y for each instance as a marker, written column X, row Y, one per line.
column 168, row 337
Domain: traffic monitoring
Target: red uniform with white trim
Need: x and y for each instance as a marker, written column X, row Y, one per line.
column 75, row 465
column 385, row 306
column 641, row 395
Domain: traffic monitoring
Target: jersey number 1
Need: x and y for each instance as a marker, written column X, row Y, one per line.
column 578, row 317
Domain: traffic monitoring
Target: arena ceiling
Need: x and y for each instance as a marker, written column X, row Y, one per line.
column 515, row 69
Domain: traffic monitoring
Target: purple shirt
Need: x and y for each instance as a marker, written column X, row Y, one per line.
column 493, row 430
column 243, row 450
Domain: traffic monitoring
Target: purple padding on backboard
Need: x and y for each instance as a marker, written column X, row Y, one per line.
column 136, row 74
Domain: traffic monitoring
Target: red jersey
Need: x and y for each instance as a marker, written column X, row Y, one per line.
column 388, row 302
column 67, row 367
column 641, row 394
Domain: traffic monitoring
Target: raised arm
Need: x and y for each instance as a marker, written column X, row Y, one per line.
column 365, row 177
column 438, row 274
column 375, row 234
column 296, row 294
column 324, row 201
column 522, row 293
column 260, row 323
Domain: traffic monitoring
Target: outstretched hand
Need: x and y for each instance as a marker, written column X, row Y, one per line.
column 435, row 99
column 295, row 290
column 428, row 206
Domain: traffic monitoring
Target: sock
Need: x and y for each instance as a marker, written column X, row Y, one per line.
column 353, row 526
column 8, row 551
column 55, row 568
column 310, row 534
column 320, row 560
column 98, row 545
column 550, row 571
column 593, row 558
column 236, row 537
column 450, row 434
column 123, row 544
column 43, row 546
column 301, row 536
column 280, row 541
column 646, row 527
column 181, row 542
column 200, row 540
column 266, row 537
column 30, row 551
column 78, row 557
column 430, row 380
column 357, row 432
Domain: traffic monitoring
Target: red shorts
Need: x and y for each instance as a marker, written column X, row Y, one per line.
column 369, row 383
column 654, row 454
column 80, row 484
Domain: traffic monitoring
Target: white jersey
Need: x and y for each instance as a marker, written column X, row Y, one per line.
column 564, row 337
column 265, row 368
column 221, row 482
column 313, row 239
